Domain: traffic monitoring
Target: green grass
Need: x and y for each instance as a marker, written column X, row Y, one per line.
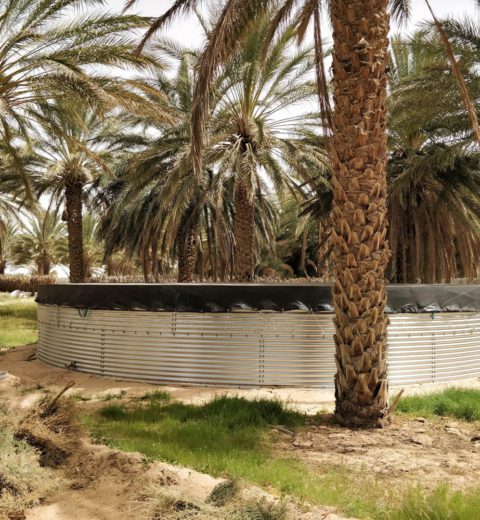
column 18, row 319
column 156, row 395
column 441, row 504
column 230, row 437
column 459, row 403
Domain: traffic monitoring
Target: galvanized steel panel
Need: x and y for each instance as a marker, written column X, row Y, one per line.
column 248, row 348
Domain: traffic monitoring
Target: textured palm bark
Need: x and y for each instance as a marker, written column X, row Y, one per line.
column 360, row 254
column 244, row 235
column 187, row 254
column 3, row 265
column 73, row 206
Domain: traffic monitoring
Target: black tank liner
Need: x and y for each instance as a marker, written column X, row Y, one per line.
column 202, row 297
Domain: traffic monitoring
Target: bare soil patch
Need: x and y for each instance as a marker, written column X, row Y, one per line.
column 411, row 450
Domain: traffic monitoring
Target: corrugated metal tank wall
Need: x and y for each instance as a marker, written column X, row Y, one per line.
column 248, row 348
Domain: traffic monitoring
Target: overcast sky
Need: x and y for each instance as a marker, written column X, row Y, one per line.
column 189, row 33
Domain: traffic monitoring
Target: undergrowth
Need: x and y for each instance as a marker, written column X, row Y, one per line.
column 232, row 438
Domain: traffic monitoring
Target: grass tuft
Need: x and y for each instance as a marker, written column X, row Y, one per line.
column 224, row 492
column 262, row 510
column 156, row 395
column 460, row 403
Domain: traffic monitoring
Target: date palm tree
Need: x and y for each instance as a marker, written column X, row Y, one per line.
column 253, row 135
column 359, row 160
column 40, row 242
column 433, row 169
column 73, row 154
column 43, row 52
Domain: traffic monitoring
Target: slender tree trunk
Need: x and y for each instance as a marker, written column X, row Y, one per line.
column 360, row 253
column 325, row 248
column 45, row 266
column 109, row 265
column 201, row 264
column 145, row 263
column 187, row 253
column 155, row 263
column 303, row 255
column 244, row 235
column 3, row 265
column 73, row 206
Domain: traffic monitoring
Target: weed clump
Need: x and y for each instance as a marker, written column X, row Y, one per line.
column 156, row 395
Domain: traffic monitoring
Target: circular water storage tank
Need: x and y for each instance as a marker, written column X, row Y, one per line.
column 248, row 334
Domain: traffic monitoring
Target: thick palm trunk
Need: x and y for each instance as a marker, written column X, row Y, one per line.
column 187, row 254
column 244, row 235
column 360, row 252
column 73, row 204
column 3, row 265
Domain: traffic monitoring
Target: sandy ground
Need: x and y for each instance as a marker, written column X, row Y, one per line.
column 101, row 483
column 19, row 363
column 104, row 484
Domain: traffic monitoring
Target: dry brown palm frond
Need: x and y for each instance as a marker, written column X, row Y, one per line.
column 464, row 92
column 52, row 428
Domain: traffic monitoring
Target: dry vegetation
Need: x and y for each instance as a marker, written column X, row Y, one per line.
column 9, row 283
column 51, row 427
column 24, row 482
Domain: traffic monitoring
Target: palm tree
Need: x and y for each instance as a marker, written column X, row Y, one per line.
column 359, row 160
column 252, row 133
column 73, row 154
column 252, row 143
column 40, row 242
column 433, row 171
column 43, row 52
